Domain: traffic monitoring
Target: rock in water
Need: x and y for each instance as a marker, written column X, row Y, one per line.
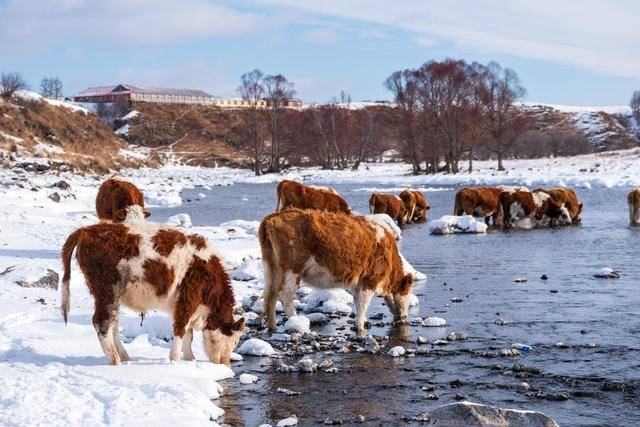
column 180, row 220
column 475, row 414
column 397, row 351
column 297, row 324
column 606, row 273
column 248, row 379
column 256, row 347
column 48, row 281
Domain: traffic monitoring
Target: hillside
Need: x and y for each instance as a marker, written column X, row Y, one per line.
column 39, row 134
column 193, row 135
column 604, row 128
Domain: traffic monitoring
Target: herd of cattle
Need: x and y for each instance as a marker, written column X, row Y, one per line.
column 313, row 237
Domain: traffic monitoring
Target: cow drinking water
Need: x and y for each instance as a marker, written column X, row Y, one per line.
column 329, row 250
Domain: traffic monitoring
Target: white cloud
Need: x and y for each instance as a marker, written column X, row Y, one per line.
column 33, row 23
column 594, row 34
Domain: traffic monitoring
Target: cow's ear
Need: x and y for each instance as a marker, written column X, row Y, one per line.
column 147, row 214
column 238, row 325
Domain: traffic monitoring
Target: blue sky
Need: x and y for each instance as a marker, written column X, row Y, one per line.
column 565, row 51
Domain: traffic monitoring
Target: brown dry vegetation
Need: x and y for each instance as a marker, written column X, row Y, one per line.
column 194, row 135
column 68, row 138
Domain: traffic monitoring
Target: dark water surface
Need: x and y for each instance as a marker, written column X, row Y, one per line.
column 571, row 307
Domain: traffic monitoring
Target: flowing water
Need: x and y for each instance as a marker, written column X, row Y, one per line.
column 579, row 385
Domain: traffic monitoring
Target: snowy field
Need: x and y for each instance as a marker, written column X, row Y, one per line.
column 52, row 374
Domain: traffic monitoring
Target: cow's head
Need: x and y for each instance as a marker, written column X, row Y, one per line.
column 398, row 301
column 551, row 210
column 221, row 340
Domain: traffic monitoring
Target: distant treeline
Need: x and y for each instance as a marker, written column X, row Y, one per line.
column 442, row 113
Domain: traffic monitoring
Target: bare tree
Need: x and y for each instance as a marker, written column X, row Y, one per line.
column 403, row 86
column 635, row 105
column 51, row 87
column 252, row 90
column 10, row 83
column 278, row 91
column 367, row 130
column 444, row 94
column 500, row 89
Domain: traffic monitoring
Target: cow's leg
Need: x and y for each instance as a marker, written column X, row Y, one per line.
column 104, row 322
column 124, row 356
column 362, row 298
column 291, row 283
column 187, row 352
column 181, row 321
column 270, row 295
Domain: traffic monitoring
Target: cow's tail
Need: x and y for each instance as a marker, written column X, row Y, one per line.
column 267, row 254
column 278, row 195
column 67, row 251
column 633, row 208
column 457, row 207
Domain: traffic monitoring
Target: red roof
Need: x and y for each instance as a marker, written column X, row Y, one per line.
column 151, row 90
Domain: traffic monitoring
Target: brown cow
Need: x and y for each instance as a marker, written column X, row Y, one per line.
column 536, row 205
column 388, row 204
column 571, row 206
column 633, row 200
column 115, row 196
column 295, row 195
column 483, row 202
column 420, row 212
column 409, row 203
column 328, row 250
column 147, row 266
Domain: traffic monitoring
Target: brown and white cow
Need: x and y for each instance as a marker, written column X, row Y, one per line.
column 115, row 196
column 328, row 250
column 536, row 205
column 571, row 206
column 388, row 204
column 146, row 266
column 420, row 213
column 483, row 202
column 292, row 194
column 633, row 200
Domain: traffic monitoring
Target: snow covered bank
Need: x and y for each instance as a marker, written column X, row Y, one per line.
column 608, row 169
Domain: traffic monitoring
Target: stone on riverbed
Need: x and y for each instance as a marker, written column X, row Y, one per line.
column 297, row 324
column 256, row 347
column 434, row 322
column 475, row 414
column 606, row 273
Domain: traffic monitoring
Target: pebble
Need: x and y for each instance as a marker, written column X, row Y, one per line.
column 544, row 277
column 554, row 291
column 590, row 345
column 457, row 336
column 500, row 321
column 422, row 350
column 584, row 331
column 520, row 280
column 287, row 391
column 562, row 345
column 422, row 340
column 307, row 365
column 361, row 418
column 510, row 352
column 332, row 422
column 519, row 367
column 248, row 379
column 441, row 342
column 325, row 364
column 397, row 351
column 525, row 386
column 371, row 345
column 456, row 299
column 432, row 396
column 344, row 349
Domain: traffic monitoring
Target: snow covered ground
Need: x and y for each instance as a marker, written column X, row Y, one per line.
column 57, row 375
